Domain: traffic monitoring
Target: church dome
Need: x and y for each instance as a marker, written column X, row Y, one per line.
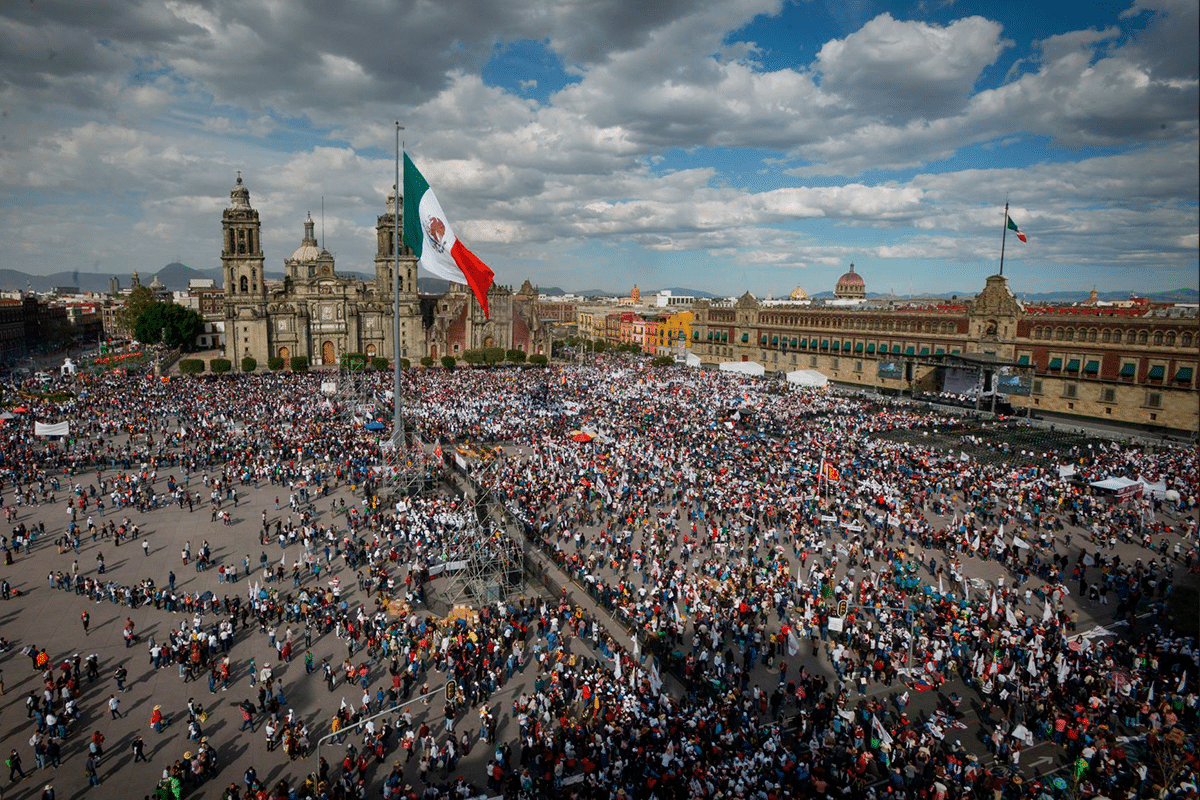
column 239, row 196
column 798, row 294
column 851, row 285
column 309, row 252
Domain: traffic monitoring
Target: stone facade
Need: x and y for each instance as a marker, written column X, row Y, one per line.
column 1132, row 366
column 321, row 315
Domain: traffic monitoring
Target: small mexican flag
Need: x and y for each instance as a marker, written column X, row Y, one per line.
column 428, row 233
column 1012, row 226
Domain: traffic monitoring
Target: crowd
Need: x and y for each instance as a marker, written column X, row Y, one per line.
column 786, row 576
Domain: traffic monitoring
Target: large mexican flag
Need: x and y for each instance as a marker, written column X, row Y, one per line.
column 428, row 234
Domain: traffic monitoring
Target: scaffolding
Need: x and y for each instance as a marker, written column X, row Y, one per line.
column 488, row 565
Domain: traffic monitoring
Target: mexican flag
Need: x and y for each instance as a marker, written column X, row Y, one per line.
column 428, row 234
column 1012, row 226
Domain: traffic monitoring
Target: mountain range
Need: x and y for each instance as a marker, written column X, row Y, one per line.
column 175, row 276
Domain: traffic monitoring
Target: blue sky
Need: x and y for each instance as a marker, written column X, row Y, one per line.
column 723, row 145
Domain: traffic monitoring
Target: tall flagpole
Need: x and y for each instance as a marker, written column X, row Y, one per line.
column 397, row 423
column 1003, row 235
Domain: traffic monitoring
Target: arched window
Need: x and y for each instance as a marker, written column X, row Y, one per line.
column 245, row 284
column 1116, row 337
column 1092, row 335
column 1059, row 333
column 1142, row 336
column 1070, row 334
column 1171, row 339
column 1107, row 337
column 1186, row 339
column 1158, row 337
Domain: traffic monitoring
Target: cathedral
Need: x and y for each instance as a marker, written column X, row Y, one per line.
column 321, row 315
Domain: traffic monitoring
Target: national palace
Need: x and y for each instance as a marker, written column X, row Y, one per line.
column 1133, row 364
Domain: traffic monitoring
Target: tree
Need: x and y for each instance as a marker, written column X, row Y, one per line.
column 220, row 366
column 473, row 357
column 170, row 323
column 139, row 299
column 405, row 363
column 354, row 362
column 299, row 364
column 426, row 361
column 538, row 360
column 515, row 356
column 191, row 366
column 449, row 361
column 275, row 363
column 600, row 346
column 662, row 361
column 379, row 362
column 249, row 364
column 493, row 355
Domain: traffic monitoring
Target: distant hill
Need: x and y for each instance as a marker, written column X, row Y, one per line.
column 679, row 290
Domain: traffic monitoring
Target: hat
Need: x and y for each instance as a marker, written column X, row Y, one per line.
column 203, row 740
column 187, row 754
column 156, row 708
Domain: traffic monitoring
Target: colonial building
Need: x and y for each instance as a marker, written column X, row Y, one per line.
column 321, row 315
column 1133, row 366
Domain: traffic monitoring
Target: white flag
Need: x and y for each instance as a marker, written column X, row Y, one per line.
column 617, row 668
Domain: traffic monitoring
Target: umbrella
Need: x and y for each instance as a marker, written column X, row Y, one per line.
column 580, row 437
column 20, row 409
column 374, row 425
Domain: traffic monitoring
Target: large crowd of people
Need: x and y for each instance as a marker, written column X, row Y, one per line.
column 758, row 579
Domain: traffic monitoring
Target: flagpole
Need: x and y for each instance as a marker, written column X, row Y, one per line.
column 397, row 423
column 1003, row 236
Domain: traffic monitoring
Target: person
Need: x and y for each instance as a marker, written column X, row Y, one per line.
column 48, row 792
column 138, row 745
column 13, row 762
column 121, row 674
column 146, row 547
column 86, row 619
column 114, row 706
column 89, row 768
column 156, row 719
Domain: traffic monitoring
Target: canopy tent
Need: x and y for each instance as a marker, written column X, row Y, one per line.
column 692, row 359
column 1121, row 488
column 374, row 425
column 1156, row 490
column 743, row 367
column 807, row 377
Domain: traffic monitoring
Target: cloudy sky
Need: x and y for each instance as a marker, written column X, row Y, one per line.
column 716, row 144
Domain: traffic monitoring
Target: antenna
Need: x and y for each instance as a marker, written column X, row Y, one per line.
column 322, row 222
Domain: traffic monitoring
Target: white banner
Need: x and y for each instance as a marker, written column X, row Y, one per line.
column 835, row 624
column 51, row 429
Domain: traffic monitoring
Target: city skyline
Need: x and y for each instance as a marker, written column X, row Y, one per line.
column 739, row 146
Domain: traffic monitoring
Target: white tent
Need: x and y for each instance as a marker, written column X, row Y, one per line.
column 1156, row 490
column 742, row 367
column 1121, row 488
column 692, row 359
column 68, row 367
column 807, row 377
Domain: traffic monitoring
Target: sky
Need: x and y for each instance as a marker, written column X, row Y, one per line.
column 720, row 145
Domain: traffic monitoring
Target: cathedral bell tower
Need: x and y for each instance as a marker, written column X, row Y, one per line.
column 241, row 254
column 385, row 255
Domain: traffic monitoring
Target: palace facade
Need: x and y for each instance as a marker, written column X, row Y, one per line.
column 1133, row 365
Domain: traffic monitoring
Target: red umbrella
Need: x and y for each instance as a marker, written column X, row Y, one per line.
column 581, row 437
column 20, row 409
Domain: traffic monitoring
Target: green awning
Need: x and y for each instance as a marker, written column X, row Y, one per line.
column 824, row 344
column 696, row 335
column 794, row 341
column 1184, row 374
column 804, row 342
column 1023, row 361
column 1128, row 370
column 745, row 337
column 1092, row 367
column 896, row 349
column 910, row 351
column 725, row 336
column 858, row 347
column 710, row 333
column 871, row 347
column 774, row 340
column 1055, row 363
column 1157, row 372
column 955, row 351
column 1073, row 365
column 941, row 351
column 924, row 351
column 837, row 345
column 764, row 338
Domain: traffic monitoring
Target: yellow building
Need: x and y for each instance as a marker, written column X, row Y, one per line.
column 671, row 329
